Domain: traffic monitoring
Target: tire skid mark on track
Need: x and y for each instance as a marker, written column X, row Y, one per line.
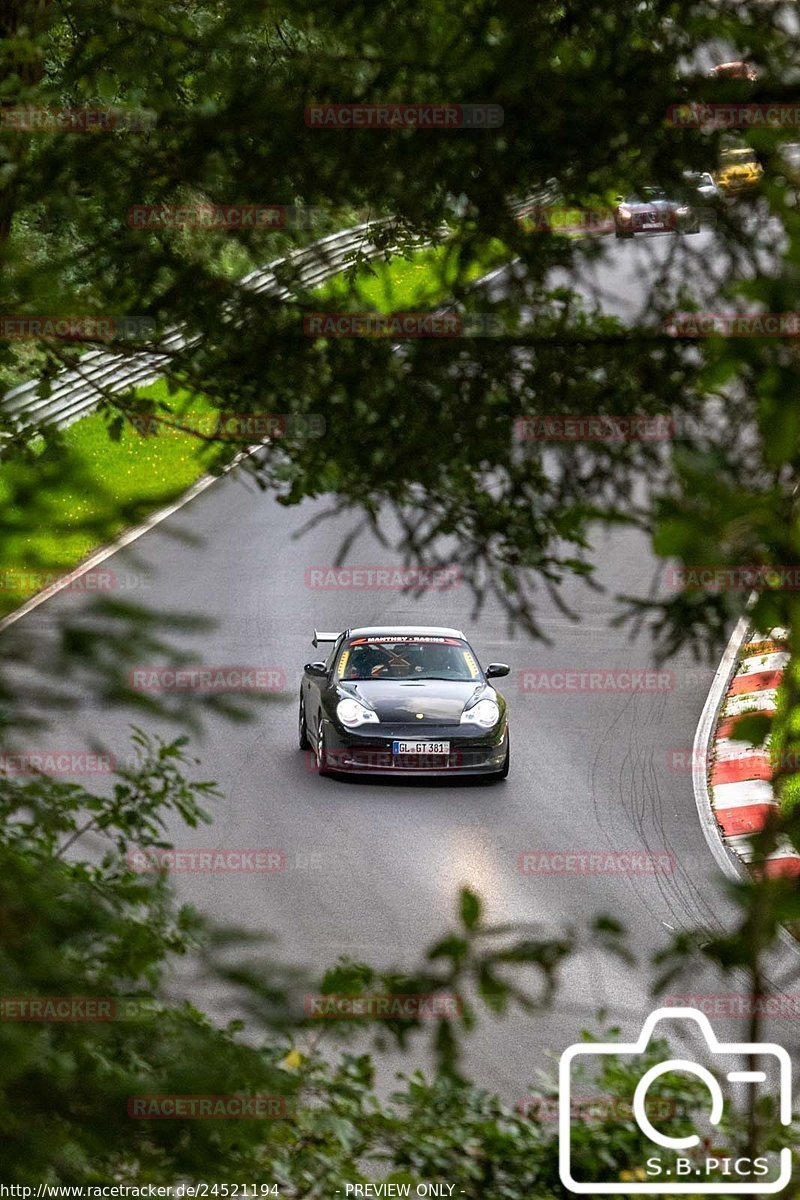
column 681, row 883
column 642, row 803
column 680, row 891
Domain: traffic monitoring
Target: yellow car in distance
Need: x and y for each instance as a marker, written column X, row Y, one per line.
column 739, row 171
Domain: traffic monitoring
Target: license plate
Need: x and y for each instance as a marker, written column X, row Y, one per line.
column 420, row 747
column 653, row 225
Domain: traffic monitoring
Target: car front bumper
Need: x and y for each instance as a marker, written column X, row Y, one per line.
column 370, row 753
column 629, row 228
column 740, row 183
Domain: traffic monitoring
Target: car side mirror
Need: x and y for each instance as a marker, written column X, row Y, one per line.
column 496, row 669
column 317, row 669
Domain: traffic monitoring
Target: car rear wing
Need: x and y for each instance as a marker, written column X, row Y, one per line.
column 323, row 637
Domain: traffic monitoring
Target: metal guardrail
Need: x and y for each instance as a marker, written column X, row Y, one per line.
column 77, row 390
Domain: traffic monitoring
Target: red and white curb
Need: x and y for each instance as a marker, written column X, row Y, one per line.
column 738, row 776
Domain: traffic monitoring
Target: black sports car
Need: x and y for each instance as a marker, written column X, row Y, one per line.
column 394, row 700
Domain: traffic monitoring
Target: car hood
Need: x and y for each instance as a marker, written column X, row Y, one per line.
column 441, row 701
column 659, row 206
column 741, row 168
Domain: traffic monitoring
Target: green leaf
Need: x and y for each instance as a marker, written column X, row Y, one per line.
column 752, row 728
column 470, row 908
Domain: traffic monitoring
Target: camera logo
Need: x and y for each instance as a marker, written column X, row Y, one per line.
column 668, row 1170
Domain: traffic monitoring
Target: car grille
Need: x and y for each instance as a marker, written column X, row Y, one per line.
column 427, row 762
column 377, row 759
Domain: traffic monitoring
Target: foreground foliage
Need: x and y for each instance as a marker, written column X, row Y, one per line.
column 79, row 921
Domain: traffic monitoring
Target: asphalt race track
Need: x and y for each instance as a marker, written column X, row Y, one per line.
column 372, row 868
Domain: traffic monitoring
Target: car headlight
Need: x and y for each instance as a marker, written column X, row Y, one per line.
column 351, row 713
column 485, row 713
column 682, row 211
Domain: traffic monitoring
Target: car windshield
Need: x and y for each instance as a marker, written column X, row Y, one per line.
column 387, row 657
column 648, row 194
column 738, row 156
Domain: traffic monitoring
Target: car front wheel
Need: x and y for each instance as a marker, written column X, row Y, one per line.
column 506, row 767
column 302, row 732
column 320, row 750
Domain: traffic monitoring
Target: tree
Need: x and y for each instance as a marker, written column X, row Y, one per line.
column 83, row 928
column 216, row 79
column 584, row 113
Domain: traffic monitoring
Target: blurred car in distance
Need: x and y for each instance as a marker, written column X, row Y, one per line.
column 739, row 170
column 653, row 210
column 702, row 183
column 735, row 70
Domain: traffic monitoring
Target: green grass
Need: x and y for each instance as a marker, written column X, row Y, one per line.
column 81, row 491
column 422, row 281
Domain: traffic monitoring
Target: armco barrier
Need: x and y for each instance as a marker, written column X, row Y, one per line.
column 76, row 391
